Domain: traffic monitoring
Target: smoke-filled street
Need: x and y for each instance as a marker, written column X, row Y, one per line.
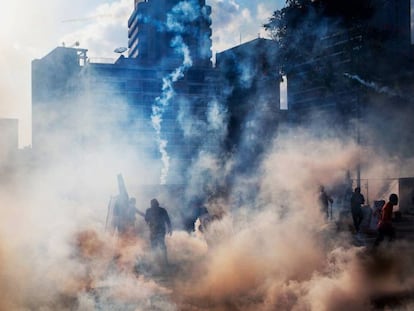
column 200, row 167
column 271, row 249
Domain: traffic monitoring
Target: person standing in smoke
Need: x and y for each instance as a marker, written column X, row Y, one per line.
column 385, row 227
column 124, row 216
column 159, row 223
column 324, row 200
column 357, row 200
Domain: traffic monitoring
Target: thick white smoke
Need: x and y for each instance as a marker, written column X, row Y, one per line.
column 277, row 251
column 273, row 251
column 180, row 14
column 269, row 248
column 162, row 102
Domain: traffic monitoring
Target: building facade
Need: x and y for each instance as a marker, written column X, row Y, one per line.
column 356, row 74
column 143, row 98
column 56, row 85
column 155, row 26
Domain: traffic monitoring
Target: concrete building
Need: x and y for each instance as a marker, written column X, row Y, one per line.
column 154, row 25
column 85, row 99
column 56, row 84
column 358, row 72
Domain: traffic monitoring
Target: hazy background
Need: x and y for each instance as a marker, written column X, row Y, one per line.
column 272, row 248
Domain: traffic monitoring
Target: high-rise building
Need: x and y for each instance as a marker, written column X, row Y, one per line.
column 56, row 82
column 356, row 73
column 82, row 97
column 155, row 27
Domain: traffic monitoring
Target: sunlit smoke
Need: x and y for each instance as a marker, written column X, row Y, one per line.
column 268, row 248
column 211, row 164
column 274, row 251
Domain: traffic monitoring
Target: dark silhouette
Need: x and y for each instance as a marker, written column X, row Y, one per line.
column 122, row 211
column 357, row 200
column 324, row 200
column 385, row 227
column 157, row 219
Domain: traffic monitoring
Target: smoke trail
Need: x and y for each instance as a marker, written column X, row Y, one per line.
column 182, row 13
column 163, row 101
column 373, row 85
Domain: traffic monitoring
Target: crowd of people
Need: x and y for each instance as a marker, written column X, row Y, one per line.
column 366, row 220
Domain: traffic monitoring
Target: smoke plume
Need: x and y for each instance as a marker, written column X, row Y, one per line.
column 180, row 14
column 270, row 250
column 267, row 245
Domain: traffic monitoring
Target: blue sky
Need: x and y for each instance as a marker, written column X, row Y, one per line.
column 29, row 30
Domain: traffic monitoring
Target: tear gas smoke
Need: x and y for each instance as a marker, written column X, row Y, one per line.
column 273, row 251
column 270, row 247
column 210, row 164
column 164, row 100
column 187, row 12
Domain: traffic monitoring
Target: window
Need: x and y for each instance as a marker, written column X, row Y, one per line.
column 284, row 93
column 412, row 20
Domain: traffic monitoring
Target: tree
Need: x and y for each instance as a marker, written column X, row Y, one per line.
column 302, row 24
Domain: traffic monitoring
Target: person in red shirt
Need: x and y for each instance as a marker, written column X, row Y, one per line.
column 385, row 227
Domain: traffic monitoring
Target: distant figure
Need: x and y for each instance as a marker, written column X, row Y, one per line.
column 357, row 200
column 385, row 227
column 157, row 219
column 324, row 199
column 124, row 215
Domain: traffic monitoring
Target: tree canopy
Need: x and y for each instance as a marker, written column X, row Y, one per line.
column 305, row 31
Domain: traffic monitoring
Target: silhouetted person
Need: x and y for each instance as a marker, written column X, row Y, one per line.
column 159, row 223
column 357, row 200
column 324, row 200
column 385, row 227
